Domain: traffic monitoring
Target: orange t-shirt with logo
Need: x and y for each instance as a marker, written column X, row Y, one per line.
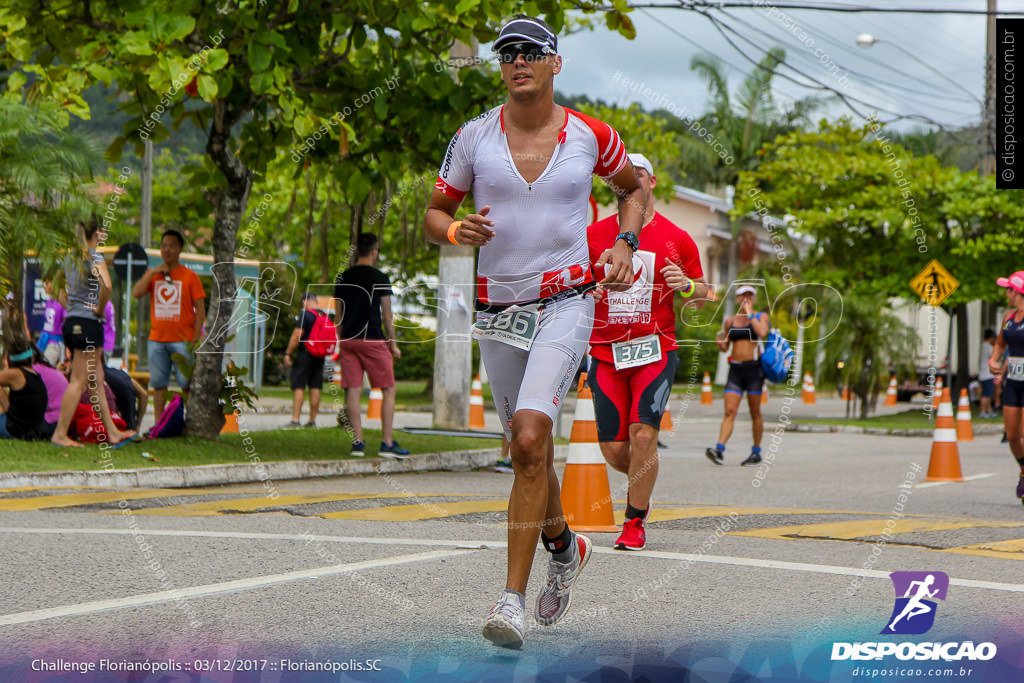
column 171, row 305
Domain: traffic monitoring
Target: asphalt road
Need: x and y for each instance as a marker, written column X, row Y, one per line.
column 395, row 572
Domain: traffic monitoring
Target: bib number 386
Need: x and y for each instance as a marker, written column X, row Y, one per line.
column 514, row 326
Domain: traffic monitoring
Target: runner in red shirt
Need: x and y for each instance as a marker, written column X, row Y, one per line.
column 633, row 349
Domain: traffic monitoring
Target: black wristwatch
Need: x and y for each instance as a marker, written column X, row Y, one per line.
column 631, row 239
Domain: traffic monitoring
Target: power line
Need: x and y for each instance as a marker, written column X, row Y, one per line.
column 872, row 81
column 697, row 4
column 722, row 26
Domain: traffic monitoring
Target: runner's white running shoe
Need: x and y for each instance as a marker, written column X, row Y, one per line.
column 556, row 596
column 506, row 622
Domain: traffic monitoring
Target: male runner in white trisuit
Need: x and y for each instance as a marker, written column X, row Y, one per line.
column 530, row 164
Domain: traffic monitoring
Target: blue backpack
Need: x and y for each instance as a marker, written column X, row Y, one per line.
column 777, row 357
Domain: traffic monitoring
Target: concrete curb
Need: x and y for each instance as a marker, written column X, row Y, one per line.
column 979, row 430
column 241, row 473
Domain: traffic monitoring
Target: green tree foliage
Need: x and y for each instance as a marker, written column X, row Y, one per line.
column 45, row 185
column 866, row 341
column 358, row 84
column 878, row 215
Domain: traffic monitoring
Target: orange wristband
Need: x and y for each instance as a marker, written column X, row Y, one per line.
column 451, row 232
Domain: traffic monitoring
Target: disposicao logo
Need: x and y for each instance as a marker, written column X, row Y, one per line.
column 914, row 613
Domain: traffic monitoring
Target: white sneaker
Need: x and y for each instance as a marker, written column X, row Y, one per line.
column 556, row 596
column 506, row 622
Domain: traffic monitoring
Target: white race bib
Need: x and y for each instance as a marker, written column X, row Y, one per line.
column 515, row 326
column 636, row 352
column 1015, row 368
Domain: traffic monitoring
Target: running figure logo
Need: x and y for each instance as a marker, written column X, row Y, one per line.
column 913, row 613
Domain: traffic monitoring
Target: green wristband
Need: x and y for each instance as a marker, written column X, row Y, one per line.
column 689, row 290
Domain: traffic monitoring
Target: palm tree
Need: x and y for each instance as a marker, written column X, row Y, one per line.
column 741, row 125
column 44, row 175
column 866, row 341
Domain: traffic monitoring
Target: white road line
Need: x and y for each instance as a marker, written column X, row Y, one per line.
column 187, row 533
column 466, row 544
column 804, row 567
column 928, row 484
column 215, row 588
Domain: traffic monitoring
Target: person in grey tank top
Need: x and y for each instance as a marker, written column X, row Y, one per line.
column 85, row 298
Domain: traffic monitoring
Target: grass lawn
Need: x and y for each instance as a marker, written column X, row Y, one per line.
column 910, row 419
column 299, row 444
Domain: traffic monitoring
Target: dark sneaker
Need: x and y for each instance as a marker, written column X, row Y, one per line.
column 633, row 536
column 714, row 455
column 754, row 459
column 293, row 425
column 1020, row 487
column 556, row 596
column 358, row 447
column 393, row 449
column 311, row 425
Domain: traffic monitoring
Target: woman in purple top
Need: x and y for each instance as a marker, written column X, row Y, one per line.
column 51, row 342
column 56, row 384
column 109, row 331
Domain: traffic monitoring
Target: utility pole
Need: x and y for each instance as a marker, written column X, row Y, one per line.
column 988, row 159
column 146, row 219
column 453, row 351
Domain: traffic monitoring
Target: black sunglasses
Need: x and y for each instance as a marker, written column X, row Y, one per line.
column 530, row 52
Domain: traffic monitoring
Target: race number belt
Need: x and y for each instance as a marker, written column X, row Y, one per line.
column 1015, row 368
column 578, row 290
column 636, row 352
column 516, row 326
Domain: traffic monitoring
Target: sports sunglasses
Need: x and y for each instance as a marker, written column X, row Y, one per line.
column 530, row 52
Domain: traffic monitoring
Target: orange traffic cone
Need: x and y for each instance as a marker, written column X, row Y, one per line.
column 764, row 393
column 945, row 461
column 586, row 497
column 808, row 390
column 582, row 383
column 964, row 430
column 706, row 397
column 376, row 398
column 476, row 405
column 890, row 393
column 937, row 396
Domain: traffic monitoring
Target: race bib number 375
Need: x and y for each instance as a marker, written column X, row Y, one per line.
column 636, row 352
column 514, row 326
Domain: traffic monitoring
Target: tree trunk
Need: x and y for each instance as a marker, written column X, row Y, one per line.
column 311, row 185
column 325, row 247
column 205, row 417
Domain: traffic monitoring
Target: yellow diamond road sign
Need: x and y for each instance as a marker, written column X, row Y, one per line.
column 934, row 284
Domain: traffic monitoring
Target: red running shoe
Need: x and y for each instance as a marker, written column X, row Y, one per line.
column 633, row 536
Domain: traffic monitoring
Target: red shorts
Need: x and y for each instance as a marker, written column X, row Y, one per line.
column 633, row 395
column 371, row 356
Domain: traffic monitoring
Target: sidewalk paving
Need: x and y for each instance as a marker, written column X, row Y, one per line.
column 689, row 416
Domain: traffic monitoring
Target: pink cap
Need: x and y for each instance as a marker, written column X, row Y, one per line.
column 1015, row 282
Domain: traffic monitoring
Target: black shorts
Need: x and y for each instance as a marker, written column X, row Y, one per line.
column 1013, row 393
column 83, row 334
column 308, row 371
column 745, row 376
column 630, row 396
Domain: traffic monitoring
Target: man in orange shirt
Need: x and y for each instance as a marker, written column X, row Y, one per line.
column 176, row 312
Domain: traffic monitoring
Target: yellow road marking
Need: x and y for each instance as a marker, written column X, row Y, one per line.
column 1006, row 550
column 73, row 499
column 409, row 513
column 214, row 507
column 869, row 527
